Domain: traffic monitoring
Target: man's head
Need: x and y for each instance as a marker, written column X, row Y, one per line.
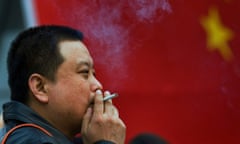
column 148, row 138
column 51, row 71
column 36, row 50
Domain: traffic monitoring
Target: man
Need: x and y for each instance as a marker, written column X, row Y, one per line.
column 53, row 85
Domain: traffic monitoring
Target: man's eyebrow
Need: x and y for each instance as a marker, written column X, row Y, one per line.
column 82, row 63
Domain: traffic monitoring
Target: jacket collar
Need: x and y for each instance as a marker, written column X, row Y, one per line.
column 16, row 112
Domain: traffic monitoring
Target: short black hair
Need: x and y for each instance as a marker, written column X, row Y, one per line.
column 147, row 138
column 35, row 50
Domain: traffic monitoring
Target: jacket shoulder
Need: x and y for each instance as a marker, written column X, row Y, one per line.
column 29, row 135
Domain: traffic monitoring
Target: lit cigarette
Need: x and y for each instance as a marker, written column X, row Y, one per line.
column 110, row 97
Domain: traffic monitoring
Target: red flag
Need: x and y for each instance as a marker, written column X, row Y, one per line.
column 176, row 64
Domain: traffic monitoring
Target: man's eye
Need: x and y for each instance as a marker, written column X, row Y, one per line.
column 84, row 71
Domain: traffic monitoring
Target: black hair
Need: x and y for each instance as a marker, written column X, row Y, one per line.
column 35, row 50
column 148, row 138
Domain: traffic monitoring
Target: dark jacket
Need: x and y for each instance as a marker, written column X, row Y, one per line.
column 15, row 113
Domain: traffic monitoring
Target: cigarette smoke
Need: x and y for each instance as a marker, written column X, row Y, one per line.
column 104, row 23
column 150, row 11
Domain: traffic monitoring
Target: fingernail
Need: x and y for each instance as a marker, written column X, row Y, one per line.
column 98, row 92
column 107, row 93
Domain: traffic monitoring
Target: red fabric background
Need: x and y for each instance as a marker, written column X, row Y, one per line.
column 154, row 54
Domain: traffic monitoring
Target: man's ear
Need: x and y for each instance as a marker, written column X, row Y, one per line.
column 38, row 86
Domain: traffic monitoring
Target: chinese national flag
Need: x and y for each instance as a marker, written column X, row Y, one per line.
column 174, row 63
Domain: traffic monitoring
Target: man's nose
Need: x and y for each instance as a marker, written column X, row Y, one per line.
column 95, row 84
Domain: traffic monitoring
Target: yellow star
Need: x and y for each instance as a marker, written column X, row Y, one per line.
column 217, row 34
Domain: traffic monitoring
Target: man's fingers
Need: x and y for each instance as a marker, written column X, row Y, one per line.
column 115, row 113
column 86, row 119
column 107, row 93
column 98, row 103
column 104, row 108
column 108, row 106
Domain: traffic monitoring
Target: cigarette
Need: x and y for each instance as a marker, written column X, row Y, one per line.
column 110, row 97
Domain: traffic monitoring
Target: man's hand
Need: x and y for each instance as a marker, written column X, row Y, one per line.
column 102, row 122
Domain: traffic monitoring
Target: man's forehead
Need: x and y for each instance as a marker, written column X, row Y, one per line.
column 68, row 47
column 77, row 51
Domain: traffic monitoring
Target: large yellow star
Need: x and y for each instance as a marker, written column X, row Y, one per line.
column 217, row 34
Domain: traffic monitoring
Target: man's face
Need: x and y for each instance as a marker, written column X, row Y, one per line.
column 75, row 85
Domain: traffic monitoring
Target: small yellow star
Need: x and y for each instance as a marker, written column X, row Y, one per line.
column 217, row 34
